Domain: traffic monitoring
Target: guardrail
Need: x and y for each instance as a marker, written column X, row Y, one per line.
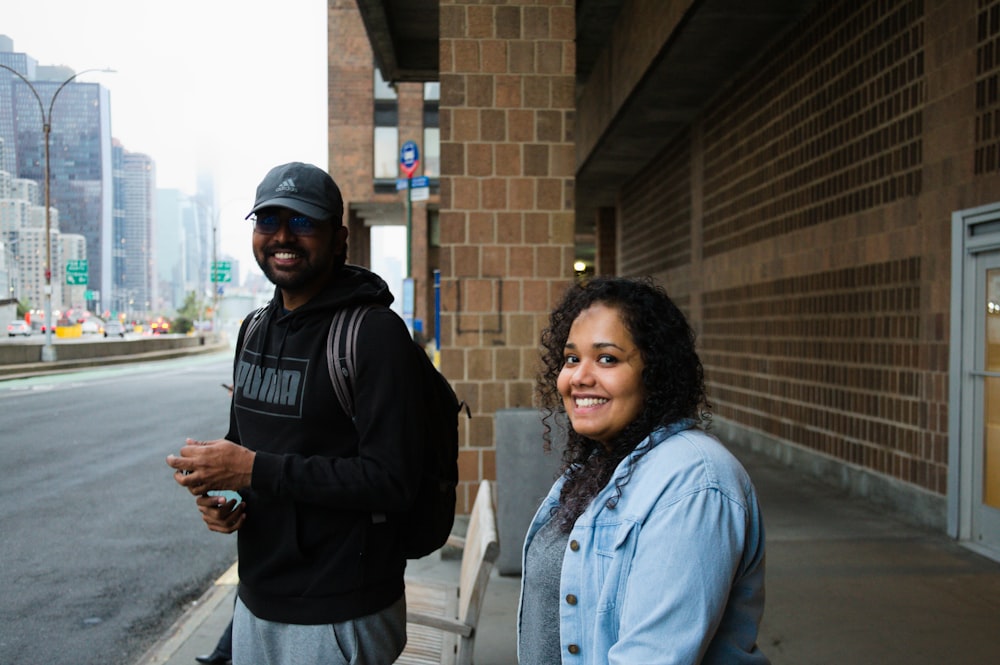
column 17, row 360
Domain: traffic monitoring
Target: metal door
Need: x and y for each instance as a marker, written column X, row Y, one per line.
column 985, row 430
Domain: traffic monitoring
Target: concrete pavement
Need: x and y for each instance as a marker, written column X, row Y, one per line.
column 846, row 585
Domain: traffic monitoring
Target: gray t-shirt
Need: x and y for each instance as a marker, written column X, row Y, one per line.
column 539, row 635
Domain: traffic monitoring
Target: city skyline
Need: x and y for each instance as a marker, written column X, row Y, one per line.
column 197, row 86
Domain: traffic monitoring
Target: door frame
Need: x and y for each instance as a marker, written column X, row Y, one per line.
column 975, row 232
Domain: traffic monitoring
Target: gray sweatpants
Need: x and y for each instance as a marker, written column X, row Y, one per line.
column 376, row 639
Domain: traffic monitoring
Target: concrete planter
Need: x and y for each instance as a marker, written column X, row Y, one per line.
column 525, row 474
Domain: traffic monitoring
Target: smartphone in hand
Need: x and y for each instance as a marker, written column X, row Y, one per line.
column 230, row 495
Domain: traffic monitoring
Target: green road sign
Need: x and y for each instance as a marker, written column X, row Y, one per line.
column 77, row 266
column 221, row 271
column 76, row 271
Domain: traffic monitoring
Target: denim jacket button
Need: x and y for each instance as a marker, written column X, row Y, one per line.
column 573, row 545
column 573, row 649
column 571, row 599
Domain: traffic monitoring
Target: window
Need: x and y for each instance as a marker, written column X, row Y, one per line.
column 386, row 139
column 431, row 157
column 386, row 152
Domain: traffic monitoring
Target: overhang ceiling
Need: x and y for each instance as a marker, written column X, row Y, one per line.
column 404, row 37
column 716, row 41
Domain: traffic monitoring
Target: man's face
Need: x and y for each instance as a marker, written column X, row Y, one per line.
column 297, row 254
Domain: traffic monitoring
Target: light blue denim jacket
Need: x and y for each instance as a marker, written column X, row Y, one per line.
column 675, row 572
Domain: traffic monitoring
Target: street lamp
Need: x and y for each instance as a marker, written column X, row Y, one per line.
column 48, row 351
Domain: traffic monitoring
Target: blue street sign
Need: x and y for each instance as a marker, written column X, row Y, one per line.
column 415, row 183
column 409, row 155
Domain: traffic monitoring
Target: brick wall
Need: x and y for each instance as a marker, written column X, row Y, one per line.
column 987, row 155
column 815, row 197
column 351, row 117
column 506, row 221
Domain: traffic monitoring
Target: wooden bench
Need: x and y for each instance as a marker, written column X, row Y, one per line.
column 441, row 619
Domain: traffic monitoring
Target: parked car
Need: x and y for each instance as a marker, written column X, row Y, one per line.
column 18, row 327
column 114, row 328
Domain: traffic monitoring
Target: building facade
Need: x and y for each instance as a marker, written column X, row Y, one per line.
column 79, row 152
column 370, row 121
column 133, row 254
column 817, row 188
column 22, row 228
column 500, row 227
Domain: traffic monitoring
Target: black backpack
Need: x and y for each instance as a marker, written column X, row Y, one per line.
column 428, row 524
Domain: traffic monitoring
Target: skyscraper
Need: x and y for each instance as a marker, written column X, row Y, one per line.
column 134, row 284
column 80, row 153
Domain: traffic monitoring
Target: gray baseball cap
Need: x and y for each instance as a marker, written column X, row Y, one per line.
column 304, row 188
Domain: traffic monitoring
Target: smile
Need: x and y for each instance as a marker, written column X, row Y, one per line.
column 584, row 402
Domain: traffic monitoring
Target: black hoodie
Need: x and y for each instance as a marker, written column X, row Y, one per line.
column 320, row 543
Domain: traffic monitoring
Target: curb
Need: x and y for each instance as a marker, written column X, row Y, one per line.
column 175, row 637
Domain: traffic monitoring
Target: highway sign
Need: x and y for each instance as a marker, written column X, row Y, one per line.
column 221, row 271
column 76, row 271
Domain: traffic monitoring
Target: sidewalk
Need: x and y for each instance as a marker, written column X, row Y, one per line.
column 197, row 631
column 846, row 585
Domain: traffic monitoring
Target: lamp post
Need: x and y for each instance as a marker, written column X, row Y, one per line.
column 48, row 351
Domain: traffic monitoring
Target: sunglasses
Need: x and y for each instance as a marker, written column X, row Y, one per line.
column 299, row 225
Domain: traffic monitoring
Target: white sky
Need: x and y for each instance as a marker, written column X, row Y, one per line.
column 238, row 86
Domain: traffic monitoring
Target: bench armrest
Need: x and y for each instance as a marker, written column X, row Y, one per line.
column 439, row 622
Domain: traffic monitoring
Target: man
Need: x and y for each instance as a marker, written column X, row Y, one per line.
column 318, row 526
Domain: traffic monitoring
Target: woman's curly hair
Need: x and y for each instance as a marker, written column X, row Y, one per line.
column 672, row 375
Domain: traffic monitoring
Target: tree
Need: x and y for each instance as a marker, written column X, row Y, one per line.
column 188, row 313
column 192, row 308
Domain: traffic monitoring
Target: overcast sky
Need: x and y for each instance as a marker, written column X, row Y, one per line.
column 237, row 86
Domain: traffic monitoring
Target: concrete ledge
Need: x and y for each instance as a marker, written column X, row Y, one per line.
column 907, row 502
column 22, row 360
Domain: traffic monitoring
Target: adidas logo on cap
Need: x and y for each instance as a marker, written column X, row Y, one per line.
column 304, row 188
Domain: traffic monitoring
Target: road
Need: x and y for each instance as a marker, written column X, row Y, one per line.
column 100, row 551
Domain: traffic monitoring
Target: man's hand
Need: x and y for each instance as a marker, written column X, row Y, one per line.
column 221, row 515
column 212, row 465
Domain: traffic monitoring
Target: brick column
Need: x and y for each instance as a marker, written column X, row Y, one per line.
column 411, row 128
column 351, row 117
column 606, row 235
column 507, row 224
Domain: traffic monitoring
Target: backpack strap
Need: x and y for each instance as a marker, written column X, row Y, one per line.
column 255, row 318
column 341, row 353
column 341, row 356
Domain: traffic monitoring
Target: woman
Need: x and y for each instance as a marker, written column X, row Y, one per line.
column 650, row 547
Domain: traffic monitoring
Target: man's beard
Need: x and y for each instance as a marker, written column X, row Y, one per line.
column 317, row 268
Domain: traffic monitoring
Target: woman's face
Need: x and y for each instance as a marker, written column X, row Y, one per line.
column 601, row 378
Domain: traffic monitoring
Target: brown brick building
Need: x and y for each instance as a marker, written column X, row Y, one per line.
column 816, row 183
